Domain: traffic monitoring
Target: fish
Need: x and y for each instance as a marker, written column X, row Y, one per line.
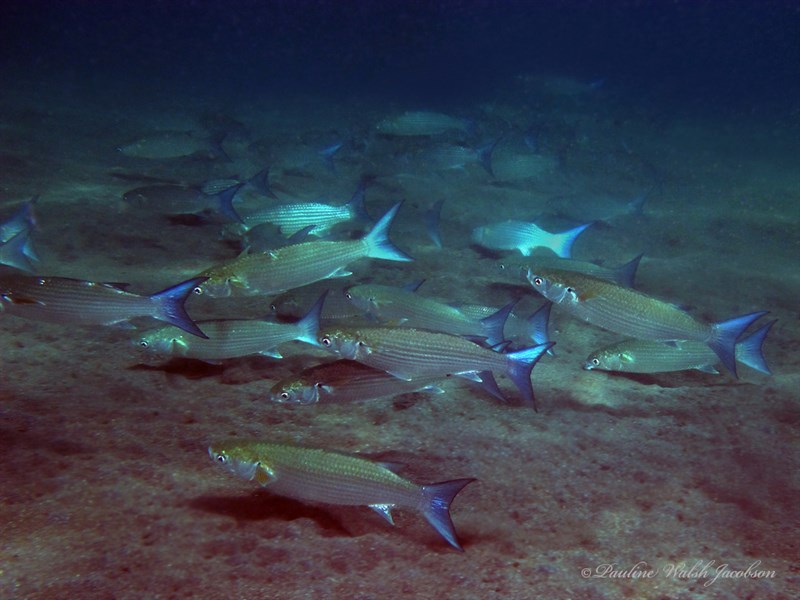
column 292, row 304
column 407, row 308
column 517, row 329
column 634, row 314
column 299, row 264
column 455, row 157
column 432, row 218
column 23, row 219
column 17, row 252
column 409, row 353
column 345, row 381
column 513, row 167
column 624, row 274
column 293, row 217
column 327, row 477
column 169, row 199
column 164, row 145
column 646, row 356
column 421, row 123
column 327, row 154
column 80, row 302
column 233, row 338
column 525, row 237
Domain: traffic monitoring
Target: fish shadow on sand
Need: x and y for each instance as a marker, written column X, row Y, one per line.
column 183, row 367
column 263, row 506
column 680, row 379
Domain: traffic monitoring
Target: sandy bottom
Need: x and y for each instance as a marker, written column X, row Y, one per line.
column 677, row 485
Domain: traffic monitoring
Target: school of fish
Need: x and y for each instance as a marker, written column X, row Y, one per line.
column 381, row 340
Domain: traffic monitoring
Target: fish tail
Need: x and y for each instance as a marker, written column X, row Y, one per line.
column 309, row 324
column 626, row 274
column 561, row 243
column 357, row 206
column 520, row 366
column 494, row 324
column 489, row 384
column 539, row 324
column 437, row 498
column 378, row 243
column 485, row 156
column 724, row 336
column 749, row 350
column 260, row 182
column 225, row 203
column 170, row 305
column 17, row 251
column 432, row 217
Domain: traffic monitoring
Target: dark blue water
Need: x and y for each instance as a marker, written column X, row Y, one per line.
column 701, row 54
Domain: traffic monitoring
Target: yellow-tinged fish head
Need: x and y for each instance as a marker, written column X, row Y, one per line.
column 556, row 285
column 295, row 391
column 343, row 342
column 222, row 281
column 241, row 459
column 165, row 342
column 607, row 360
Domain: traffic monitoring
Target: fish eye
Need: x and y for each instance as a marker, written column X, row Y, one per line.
column 502, row 267
column 538, row 281
column 198, row 291
column 143, row 344
column 284, row 395
column 221, row 459
column 348, row 295
column 570, row 290
column 596, row 362
column 326, row 341
column 273, row 307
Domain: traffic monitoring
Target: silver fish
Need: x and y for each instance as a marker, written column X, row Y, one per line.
column 314, row 475
column 17, row 252
column 163, row 145
column 635, row 314
column 345, row 381
column 406, row 308
column 518, row 268
column 79, row 302
column 291, row 218
column 233, row 338
column 413, row 353
column 300, row 264
column 525, row 237
column 646, row 356
column 420, row 123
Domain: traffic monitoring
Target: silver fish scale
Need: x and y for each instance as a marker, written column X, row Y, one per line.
column 639, row 322
column 646, row 356
column 292, row 266
column 291, row 218
column 227, row 339
column 60, row 300
column 321, row 476
column 412, row 352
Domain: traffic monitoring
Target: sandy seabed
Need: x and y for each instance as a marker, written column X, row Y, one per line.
column 680, row 485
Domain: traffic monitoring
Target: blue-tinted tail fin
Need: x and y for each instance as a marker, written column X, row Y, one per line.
column 539, row 326
column 485, row 156
column 170, row 306
column 260, row 182
column 438, row 497
column 520, row 365
column 562, row 242
column 358, row 210
column 724, row 336
column 327, row 154
column 626, row 274
column 225, row 203
column 494, row 324
column 749, row 350
column 432, row 217
column 309, row 324
column 378, row 243
column 16, row 252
